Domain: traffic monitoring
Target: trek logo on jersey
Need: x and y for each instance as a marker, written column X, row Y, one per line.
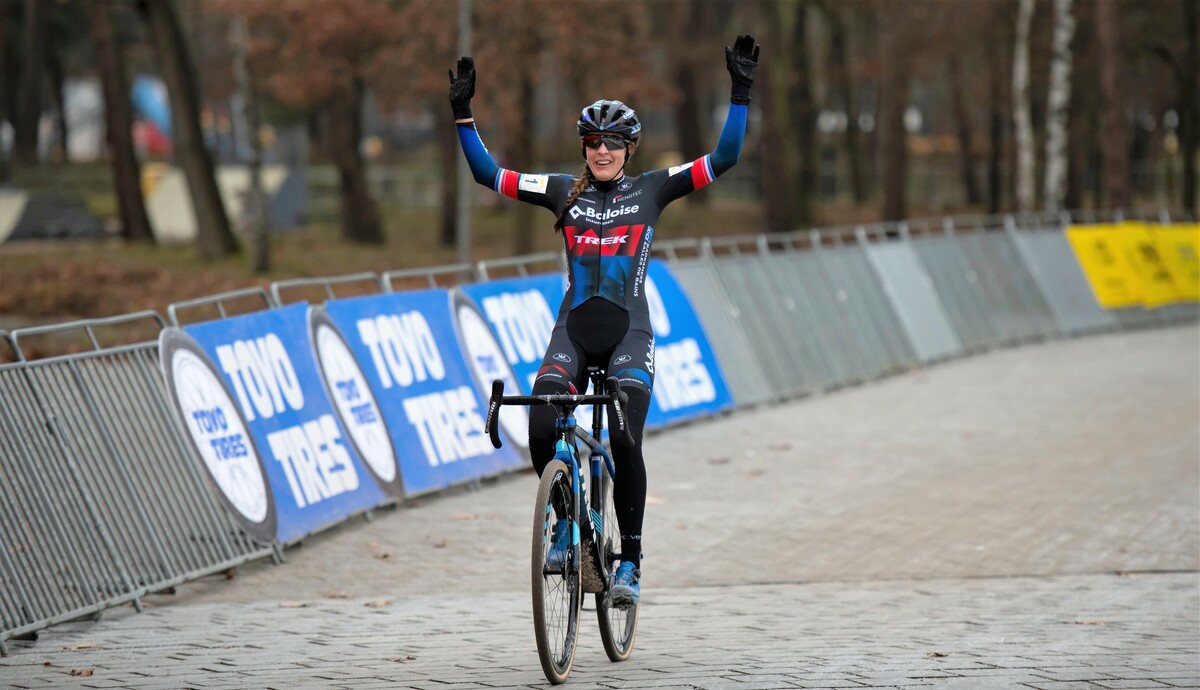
column 621, row 240
column 674, row 169
column 534, row 183
column 592, row 215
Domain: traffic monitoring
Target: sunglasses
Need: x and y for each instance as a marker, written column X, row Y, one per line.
column 611, row 141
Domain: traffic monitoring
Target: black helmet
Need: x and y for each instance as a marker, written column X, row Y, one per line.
column 610, row 117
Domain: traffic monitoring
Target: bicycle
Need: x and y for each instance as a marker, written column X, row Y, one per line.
column 595, row 540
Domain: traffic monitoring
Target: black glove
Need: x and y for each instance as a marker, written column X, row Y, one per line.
column 462, row 88
column 742, row 62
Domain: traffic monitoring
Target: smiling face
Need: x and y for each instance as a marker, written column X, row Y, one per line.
column 606, row 164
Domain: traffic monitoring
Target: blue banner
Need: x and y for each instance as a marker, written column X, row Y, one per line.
column 262, row 408
column 409, row 348
column 522, row 312
column 687, row 378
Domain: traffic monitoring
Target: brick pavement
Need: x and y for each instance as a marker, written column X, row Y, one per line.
column 977, row 509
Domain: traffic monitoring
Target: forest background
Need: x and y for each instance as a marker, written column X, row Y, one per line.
column 863, row 111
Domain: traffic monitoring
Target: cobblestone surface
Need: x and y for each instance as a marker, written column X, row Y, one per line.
column 1027, row 518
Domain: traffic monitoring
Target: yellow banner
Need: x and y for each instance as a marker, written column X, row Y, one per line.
column 1144, row 257
column 1179, row 247
column 1102, row 255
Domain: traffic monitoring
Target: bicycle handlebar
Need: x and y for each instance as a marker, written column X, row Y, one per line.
column 618, row 398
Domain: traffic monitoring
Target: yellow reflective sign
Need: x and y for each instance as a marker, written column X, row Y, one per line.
column 1102, row 255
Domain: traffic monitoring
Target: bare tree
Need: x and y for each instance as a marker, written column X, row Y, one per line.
column 1058, row 101
column 962, row 128
column 1021, row 119
column 893, row 100
column 841, row 88
column 29, row 90
column 118, row 120
column 213, row 233
column 804, row 115
column 1114, row 139
column 1185, row 70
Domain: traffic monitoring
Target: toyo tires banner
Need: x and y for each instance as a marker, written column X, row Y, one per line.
column 687, row 378
column 429, row 359
column 257, row 408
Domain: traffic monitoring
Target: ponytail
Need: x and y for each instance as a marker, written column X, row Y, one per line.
column 581, row 184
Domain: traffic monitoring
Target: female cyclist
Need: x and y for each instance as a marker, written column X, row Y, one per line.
column 607, row 220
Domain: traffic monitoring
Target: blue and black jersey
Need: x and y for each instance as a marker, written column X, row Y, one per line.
column 608, row 231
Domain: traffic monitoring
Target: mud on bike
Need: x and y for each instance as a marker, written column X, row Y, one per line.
column 584, row 499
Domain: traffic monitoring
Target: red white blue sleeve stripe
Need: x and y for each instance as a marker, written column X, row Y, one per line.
column 506, row 182
column 702, row 173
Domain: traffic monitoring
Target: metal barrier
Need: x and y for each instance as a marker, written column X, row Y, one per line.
column 430, row 275
column 101, row 497
column 219, row 301
column 326, row 283
column 104, row 501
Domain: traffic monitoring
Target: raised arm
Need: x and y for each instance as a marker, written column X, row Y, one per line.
column 742, row 62
column 544, row 190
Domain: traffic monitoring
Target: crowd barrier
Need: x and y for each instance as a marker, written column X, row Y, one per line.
column 128, row 470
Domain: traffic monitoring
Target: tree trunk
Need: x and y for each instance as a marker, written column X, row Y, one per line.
column 777, row 185
column 1189, row 116
column 448, row 153
column 29, row 89
column 255, row 200
column 804, row 115
column 520, row 152
column 997, row 61
column 689, row 127
column 6, row 99
column 1021, row 119
column 1114, row 139
column 962, row 128
column 893, row 98
column 54, row 70
column 842, row 87
column 118, row 120
column 1057, row 102
column 343, row 136
column 213, row 234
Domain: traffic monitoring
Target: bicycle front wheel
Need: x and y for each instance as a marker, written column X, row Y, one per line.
column 617, row 626
column 556, row 587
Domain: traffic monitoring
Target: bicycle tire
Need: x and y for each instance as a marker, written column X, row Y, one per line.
column 618, row 627
column 556, row 596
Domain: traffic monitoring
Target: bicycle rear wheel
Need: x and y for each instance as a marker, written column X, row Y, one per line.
column 556, row 590
column 617, row 627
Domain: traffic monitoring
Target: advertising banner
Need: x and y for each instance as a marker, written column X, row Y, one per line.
column 1142, row 253
column 257, row 408
column 410, row 348
column 687, row 377
column 1101, row 255
column 521, row 312
column 1179, row 247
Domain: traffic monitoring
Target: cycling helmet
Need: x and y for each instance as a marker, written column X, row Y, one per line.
column 610, row 117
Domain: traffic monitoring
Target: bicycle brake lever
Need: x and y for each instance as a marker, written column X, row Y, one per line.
column 493, row 413
column 620, row 404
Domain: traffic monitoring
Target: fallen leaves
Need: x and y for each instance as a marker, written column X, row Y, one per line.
column 293, row 604
column 83, row 672
column 378, row 603
column 85, row 645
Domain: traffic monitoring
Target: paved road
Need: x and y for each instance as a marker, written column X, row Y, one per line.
column 1024, row 518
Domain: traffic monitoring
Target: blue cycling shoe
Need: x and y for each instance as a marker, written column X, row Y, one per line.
column 625, row 590
column 560, row 545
